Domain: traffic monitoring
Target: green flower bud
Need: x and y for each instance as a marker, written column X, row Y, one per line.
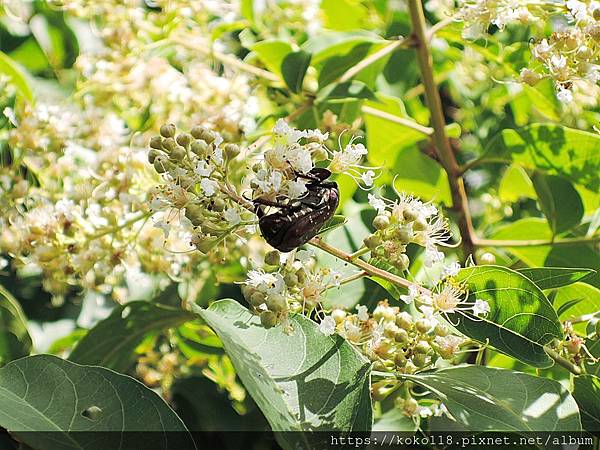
column 319, row 154
column 419, row 225
column 441, row 330
column 204, row 244
column 152, row 154
column 487, row 258
column 420, row 360
column 389, row 330
column 200, row 148
column 231, row 150
column 410, row 406
column 208, row 136
column 301, row 274
column 381, row 222
column 198, row 131
column 256, row 167
column 338, row 315
column 290, row 279
column 268, row 319
column 574, row 345
column 168, row 130
column 156, row 142
column 402, row 262
column 218, row 204
column 177, row 154
column 372, row 241
column 404, row 320
column 276, row 303
column 169, row 145
column 596, row 14
column 194, row 213
column 184, row 139
column 257, row 298
column 422, row 347
column 409, row 214
column 401, row 336
column 403, row 235
column 423, row 325
column 273, row 258
column 161, row 163
column 399, row 359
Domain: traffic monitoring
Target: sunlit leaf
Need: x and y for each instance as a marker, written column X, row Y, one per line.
column 555, row 277
column 15, row 341
column 587, row 394
column 559, row 201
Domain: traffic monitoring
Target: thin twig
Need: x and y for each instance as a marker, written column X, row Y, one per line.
column 562, row 361
column 427, row 131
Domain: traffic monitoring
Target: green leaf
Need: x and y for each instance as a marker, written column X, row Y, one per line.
column 344, row 15
column 348, row 90
column 301, row 380
column 555, row 277
column 395, row 420
column 521, row 319
column 593, row 346
column 328, row 44
column 293, row 69
column 272, row 53
column 112, row 342
column 557, row 150
column 393, row 145
column 42, row 397
column 559, row 201
column 515, row 184
column 491, row 399
column 17, row 77
column 336, row 221
column 576, row 255
column 587, row 395
column 15, row 341
column 576, row 300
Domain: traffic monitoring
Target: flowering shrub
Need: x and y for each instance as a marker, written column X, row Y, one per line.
column 345, row 216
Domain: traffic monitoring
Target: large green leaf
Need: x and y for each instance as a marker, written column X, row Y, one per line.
column 515, row 184
column 302, row 380
column 271, row 53
column 559, row 201
column 45, row 399
column 111, row 343
column 576, row 255
column 521, row 319
column 554, row 149
column 587, row 394
column 490, row 399
column 349, row 90
column 293, row 69
column 15, row 341
column 555, row 277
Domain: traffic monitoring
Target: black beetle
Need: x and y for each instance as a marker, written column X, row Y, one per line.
column 297, row 222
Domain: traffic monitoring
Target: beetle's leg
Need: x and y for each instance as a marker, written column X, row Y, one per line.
column 262, row 201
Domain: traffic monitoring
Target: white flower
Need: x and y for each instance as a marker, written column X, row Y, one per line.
column 481, row 307
column 218, row 155
column 424, row 411
column 270, row 283
column 300, row 160
column 376, row 203
column 203, row 169
column 209, row 186
column 558, row 62
column 448, row 344
column 451, row 270
column 3, row 263
column 363, row 314
column 295, row 189
column 327, row 326
column 448, row 299
column 66, row 207
column 427, row 311
column 316, row 135
column 9, row 113
column 432, row 256
column 413, row 292
column 565, row 95
column 163, row 226
column 542, row 49
column 367, row 177
column 232, row 216
column 347, row 158
column 283, row 129
column 439, row 410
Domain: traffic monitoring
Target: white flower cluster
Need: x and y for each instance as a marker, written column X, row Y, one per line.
column 295, row 285
column 479, row 14
column 401, row 222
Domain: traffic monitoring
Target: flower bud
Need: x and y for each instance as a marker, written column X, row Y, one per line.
column 184, row 139
column 194, row 213
column 169, row 145
column 441, row 330
column 410, row 406
column 422, row 347
column 200, row 148
column 372, row 241
column 410, row 215
column 257, row 298
column 177, row 154
column 419, row 225
column 290, row 279
column 231, row 150
column 208, row 136
column 268, row 319
column 198, row 131
column 161, row 163
column 402, row 262
column 152, row 154
column 204, row 244
column 320, row 154
column 401, row 336
column 389, row 330
column 276, row 303
column 399, row 359
column 420, row 360
column 423, row 325
column 381, row 222
column 218, row 204
column 404, row 320
column 596, row 14
column 168, row 130
column 156, row 142
column 487, row 258
column 530, row 77
column 574, row 345
column 301, row 274
column 338, row 315
column 273, row 258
